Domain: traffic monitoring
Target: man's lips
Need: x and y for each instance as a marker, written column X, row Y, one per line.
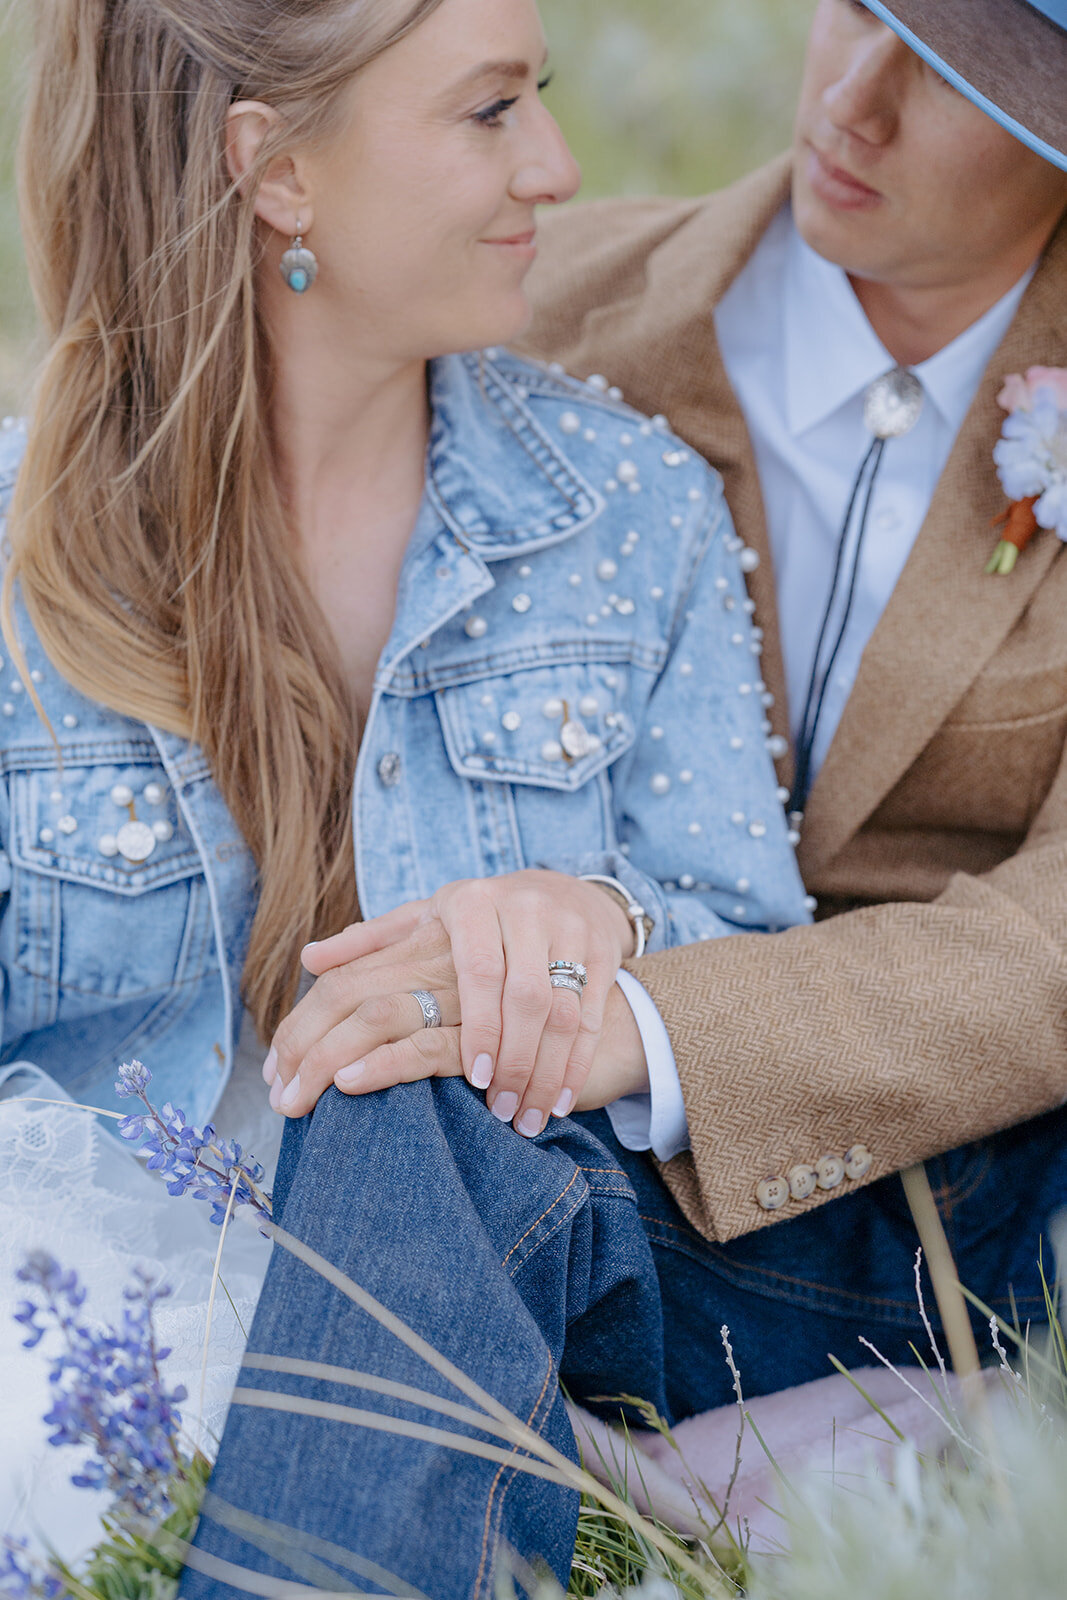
column 838, row 187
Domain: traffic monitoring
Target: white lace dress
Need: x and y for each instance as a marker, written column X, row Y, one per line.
column 73, row 1190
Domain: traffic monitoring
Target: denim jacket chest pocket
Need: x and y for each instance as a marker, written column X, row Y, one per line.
column 108, row 899
column 536, row 744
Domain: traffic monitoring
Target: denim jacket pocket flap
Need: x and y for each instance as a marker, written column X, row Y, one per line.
column 112, row 825
column 552, row 726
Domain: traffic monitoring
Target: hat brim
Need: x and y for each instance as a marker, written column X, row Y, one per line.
column 1006, row 57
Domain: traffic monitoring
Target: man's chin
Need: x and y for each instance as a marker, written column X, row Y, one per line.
column 850, row 240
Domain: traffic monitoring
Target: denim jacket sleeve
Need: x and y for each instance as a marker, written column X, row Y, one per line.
column 703, row 840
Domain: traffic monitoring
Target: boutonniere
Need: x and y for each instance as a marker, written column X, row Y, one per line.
column 1031, row 460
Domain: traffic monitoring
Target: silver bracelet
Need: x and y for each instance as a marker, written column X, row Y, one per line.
column 636, row 914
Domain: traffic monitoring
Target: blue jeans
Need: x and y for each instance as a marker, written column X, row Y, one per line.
column 528, row 1265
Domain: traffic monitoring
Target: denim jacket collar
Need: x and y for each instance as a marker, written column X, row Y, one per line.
column 495, row 477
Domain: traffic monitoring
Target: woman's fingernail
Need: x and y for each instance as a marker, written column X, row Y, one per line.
column 482, row 1071
column 277, row 1089
column 530, row 1124
column 270, row 1066
column 563, row 1104
column 348, row 1077
column 505, row 1106
column 291, row 1095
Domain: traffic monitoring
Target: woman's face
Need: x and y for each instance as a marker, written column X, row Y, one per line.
column 423, row 206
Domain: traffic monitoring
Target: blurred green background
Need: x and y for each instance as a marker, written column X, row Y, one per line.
column 665, row 96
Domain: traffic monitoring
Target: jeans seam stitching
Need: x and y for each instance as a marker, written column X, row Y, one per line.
column 545, row 1238
column 499, row 1474
column 541, row 1218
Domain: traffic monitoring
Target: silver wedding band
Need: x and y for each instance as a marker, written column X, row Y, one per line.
column 568, row 975
column 431, row 1011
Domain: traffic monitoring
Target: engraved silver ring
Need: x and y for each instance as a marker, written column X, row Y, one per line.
column 568, row 975
column 431, row 1011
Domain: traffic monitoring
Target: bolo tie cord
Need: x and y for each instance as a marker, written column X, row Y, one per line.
column 891, row 408
column 819, row 681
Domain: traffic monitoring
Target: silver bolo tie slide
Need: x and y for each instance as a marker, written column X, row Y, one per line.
column 892, row 406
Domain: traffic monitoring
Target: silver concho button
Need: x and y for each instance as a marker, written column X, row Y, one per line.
column 575, row 739
column 136, row 841
column 892, row 404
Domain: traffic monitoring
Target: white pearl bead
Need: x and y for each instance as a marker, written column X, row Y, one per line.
column 656, row 593
column 67, row 825
column 70, row 720
column 686, row 881
column 660, row 784
column 685, row 776
column 810, row 903
column 153, row 793
column 589, row 436
column 525, row 572
column 589, row 705
column 737, row 818
column 486, row 702
column 607, row 570
column 46, row 836
column 742, row 885
column 591, row 619
column 749, row 560
column 777, row 746
column 686, row 669
column 108, row 845
column 575, row 579
column 625, row 608
column 551, row 750
column 695, row 828
column 737, row 744
column 511, row 721
column 476, row 627
column 757, row 829
column 627, row 472
column 597, row 382
column 552, row 708
column 570, row 422
column 163, row 831
column 676, row 522
column 521, row 604
column 122, row 794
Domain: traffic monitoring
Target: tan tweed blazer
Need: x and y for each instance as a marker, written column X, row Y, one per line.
column 928, row 1005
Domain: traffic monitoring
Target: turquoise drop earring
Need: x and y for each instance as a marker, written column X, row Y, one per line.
column 298, row 264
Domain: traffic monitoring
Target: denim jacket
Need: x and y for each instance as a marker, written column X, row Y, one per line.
column 571, row 681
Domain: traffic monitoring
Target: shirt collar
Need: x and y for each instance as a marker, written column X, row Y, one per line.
column 832, row 353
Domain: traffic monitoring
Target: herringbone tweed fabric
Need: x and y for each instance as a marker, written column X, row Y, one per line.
column 928, row 1005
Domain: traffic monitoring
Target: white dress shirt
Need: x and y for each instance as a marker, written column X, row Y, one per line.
column 800, row 353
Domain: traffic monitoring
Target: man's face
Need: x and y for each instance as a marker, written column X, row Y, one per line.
column 897, row 177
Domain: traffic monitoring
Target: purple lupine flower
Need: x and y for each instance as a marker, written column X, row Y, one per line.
column 107, row 1388
column 190, row 1159
column 25, row 1577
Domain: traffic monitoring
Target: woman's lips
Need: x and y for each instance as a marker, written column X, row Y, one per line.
column 517, row 243
column 837, row 187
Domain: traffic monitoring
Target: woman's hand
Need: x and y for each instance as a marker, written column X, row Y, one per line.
column 483, row 948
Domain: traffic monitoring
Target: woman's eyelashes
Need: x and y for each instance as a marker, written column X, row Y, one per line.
column 493, row 116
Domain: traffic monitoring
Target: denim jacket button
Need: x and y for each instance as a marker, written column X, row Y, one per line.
column 389, row 769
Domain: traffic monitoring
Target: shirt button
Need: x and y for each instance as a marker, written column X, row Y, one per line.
column 887, row 520
column 802, row 1182
column 829, row 1171
column 772, row 1193
column 858, row 1161
column 389, row 769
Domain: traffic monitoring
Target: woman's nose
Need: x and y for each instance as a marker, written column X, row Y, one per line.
column 549, row 175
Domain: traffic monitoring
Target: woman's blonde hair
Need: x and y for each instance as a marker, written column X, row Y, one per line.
column 148, row 532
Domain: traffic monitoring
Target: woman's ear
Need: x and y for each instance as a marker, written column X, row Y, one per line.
column 282, row 197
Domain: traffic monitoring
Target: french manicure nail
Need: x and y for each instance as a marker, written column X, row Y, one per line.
column 563, row 1104
column 291, row 1095
column 529, row 1124
column 505, row 1106
column 482, row 1071
column 277, row 1089
column 270, row 1066
column 348, row 1077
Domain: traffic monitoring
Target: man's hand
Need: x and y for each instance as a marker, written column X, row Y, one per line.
column 548, row 1050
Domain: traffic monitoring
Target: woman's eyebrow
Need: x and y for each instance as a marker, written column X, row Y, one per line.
column 518, row 70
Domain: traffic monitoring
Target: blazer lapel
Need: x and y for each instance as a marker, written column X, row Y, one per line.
column 946, row 617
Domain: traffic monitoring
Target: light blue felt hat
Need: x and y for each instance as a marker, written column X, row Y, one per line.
column 1007, row 56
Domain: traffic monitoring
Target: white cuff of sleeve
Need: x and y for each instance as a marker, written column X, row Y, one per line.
column 655, row 1121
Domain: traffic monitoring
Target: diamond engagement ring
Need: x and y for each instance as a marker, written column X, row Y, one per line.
column 567, row 975
column 431, row 1011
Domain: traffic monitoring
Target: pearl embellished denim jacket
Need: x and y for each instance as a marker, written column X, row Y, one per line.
column 571, row 681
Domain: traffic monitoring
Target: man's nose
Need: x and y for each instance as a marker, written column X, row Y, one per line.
column 867, row 97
